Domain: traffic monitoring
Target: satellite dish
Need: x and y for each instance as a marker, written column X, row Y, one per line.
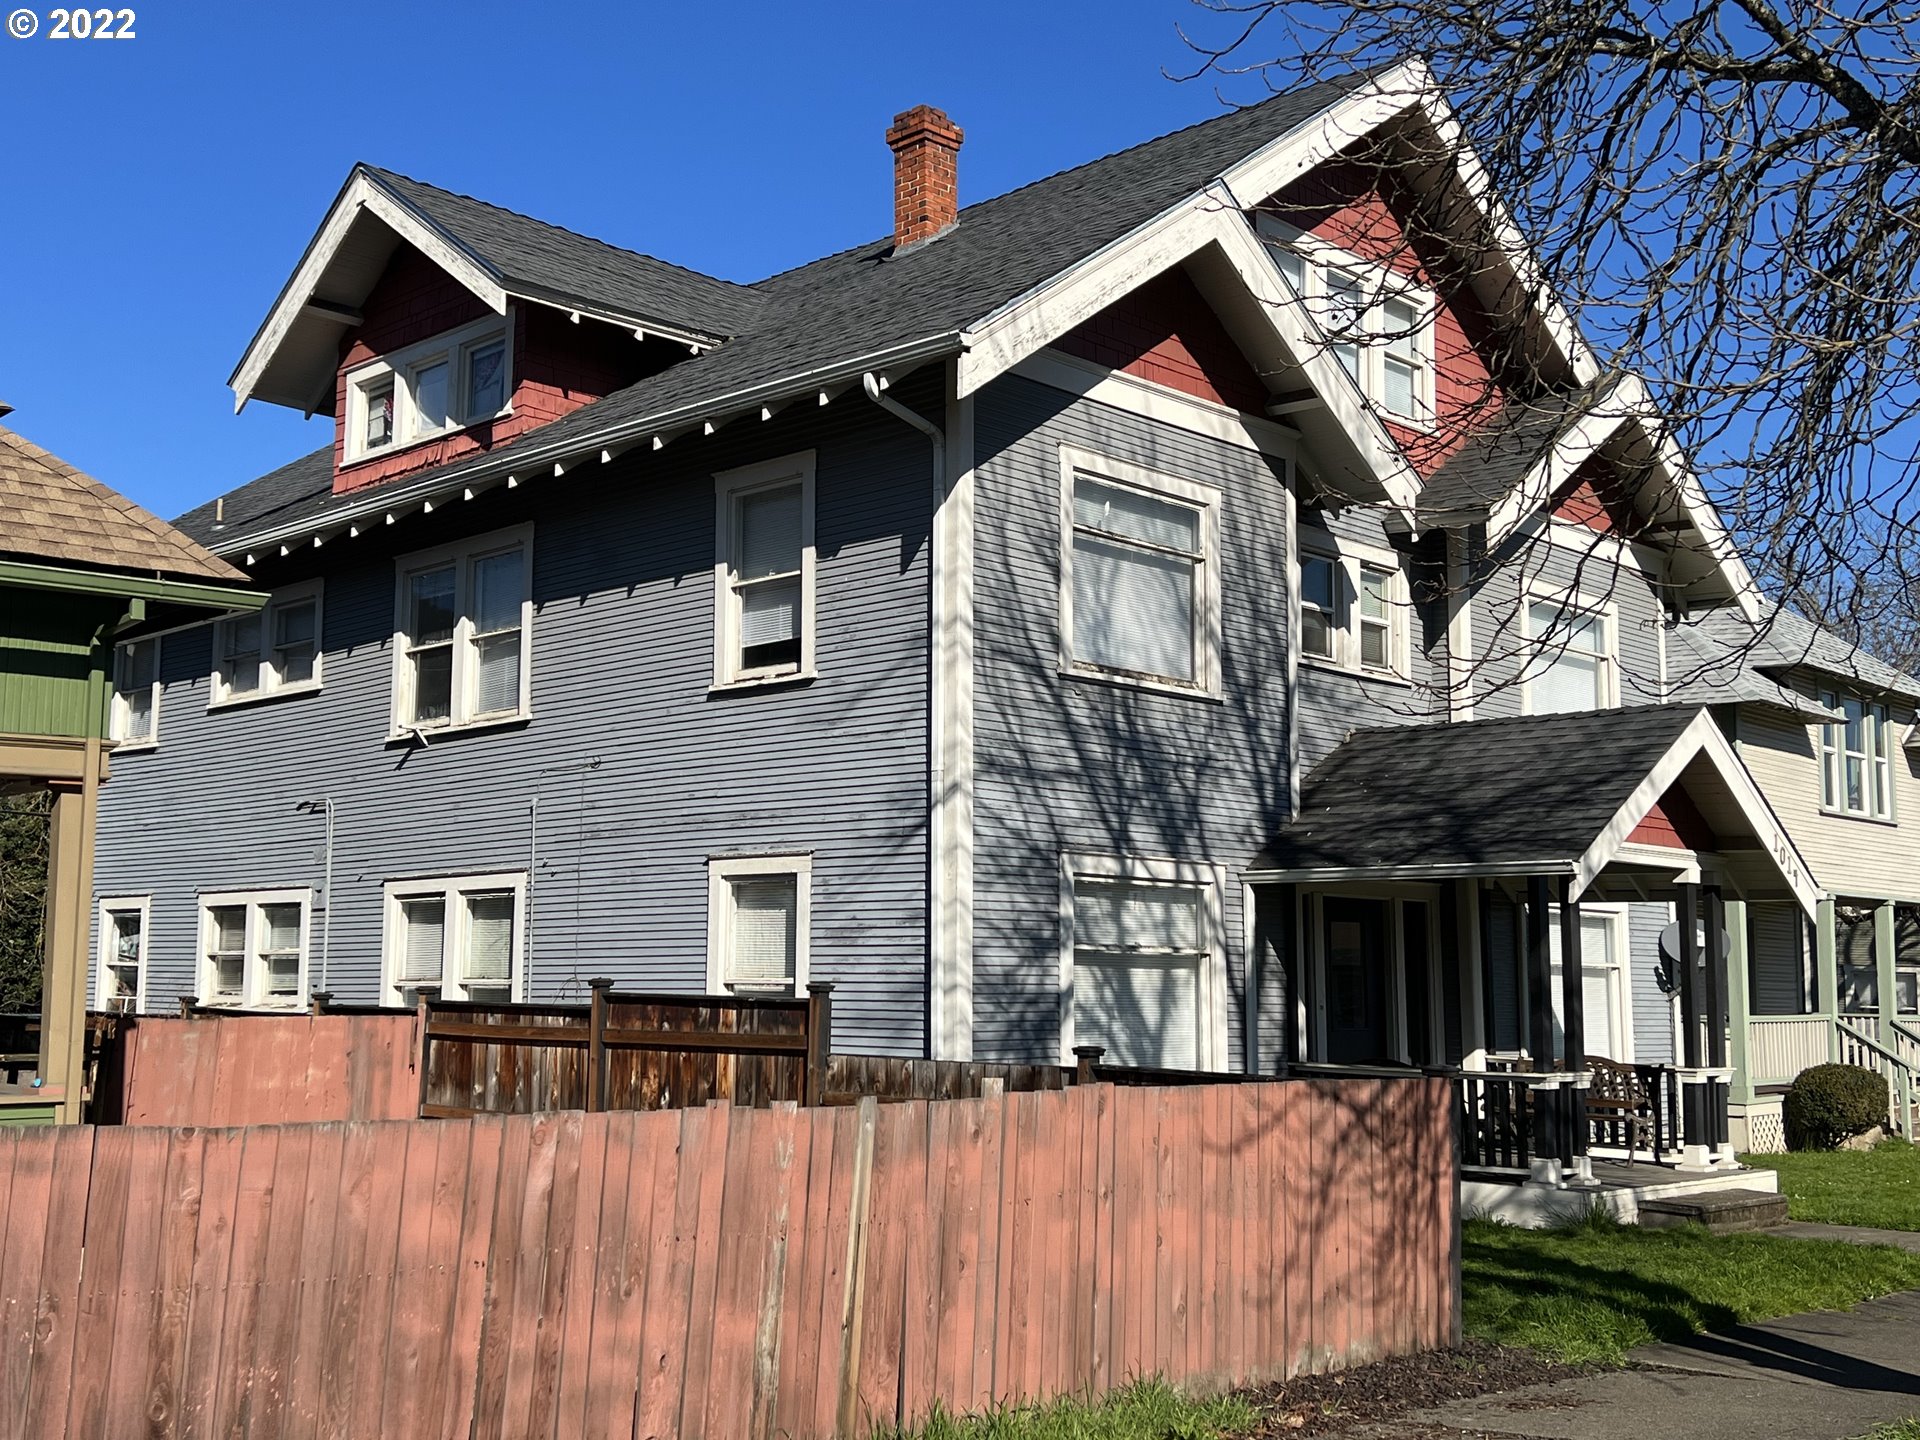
column 1667, row 973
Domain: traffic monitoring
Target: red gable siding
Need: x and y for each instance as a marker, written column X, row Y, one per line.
column 1166, row 332
column 1596, row 498
column 1353, row 207
column 558, row 366
column 1675, row 823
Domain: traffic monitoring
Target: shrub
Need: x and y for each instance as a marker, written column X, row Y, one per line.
column 1832, row 1103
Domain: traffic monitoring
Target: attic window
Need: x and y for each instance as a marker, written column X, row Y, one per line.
column 429, row 390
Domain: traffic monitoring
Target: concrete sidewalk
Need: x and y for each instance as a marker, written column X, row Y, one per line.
column 1828, row 1375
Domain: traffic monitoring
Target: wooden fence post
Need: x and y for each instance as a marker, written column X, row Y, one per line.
column 854, row 1293
column 819, row 1039
column 1085, row 1057
column 597, row 1044
column 420, row 1017
column 318, row 1002
column 187, row 1002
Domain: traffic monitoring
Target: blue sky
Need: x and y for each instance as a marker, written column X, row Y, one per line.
column 160, row 189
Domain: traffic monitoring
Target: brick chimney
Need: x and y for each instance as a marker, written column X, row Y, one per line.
column 926, row 148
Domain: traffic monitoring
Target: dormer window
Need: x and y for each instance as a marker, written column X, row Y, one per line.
column 429, row 390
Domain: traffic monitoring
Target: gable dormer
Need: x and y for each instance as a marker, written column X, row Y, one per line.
column 434, row 326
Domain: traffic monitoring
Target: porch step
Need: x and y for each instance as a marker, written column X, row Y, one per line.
column 1719, row 1210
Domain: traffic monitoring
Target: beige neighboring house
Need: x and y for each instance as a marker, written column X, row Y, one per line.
column 1829, row 732
column 80, row 567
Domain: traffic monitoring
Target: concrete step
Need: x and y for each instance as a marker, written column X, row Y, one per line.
column 1719, row 1210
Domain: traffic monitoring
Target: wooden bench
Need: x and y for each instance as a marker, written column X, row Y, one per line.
column 1618, row 1098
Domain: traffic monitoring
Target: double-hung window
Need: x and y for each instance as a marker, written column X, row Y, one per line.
column 1140, row 582
column 763, row 570
column 461, row 650
column 455, row 938
column 136, row 694
column 1378, row 324
column 1856, row 759
column 1606, row 1030
column 427, row 390
column 1570, row 661
column 274, row 651
column 759, row 911
column 1143, row 962
column 253, row 948
column 121, row 985
column 1353, row 608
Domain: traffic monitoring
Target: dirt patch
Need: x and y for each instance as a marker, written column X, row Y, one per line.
column 1330, row 1404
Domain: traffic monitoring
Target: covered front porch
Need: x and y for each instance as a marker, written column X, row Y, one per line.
column 1467, row 896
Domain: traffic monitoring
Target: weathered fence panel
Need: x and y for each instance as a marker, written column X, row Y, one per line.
column 717, row 1272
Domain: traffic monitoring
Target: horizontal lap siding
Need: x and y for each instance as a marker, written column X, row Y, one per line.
column 1652, row 1009
column 639, row 773
column 1077, row 765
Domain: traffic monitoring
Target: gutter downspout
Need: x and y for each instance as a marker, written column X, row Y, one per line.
column 874, row 387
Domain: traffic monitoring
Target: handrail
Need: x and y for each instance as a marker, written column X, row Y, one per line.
column 1903, row 1072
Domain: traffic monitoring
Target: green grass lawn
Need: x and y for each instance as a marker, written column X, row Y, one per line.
column 1878, row 1188
column 1145, row 1410
column 1591, row 1293
column 1908, row 1429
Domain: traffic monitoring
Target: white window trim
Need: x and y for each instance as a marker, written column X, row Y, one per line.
column 111, row 905
column 253, row 990
column 221, row 696
column 399, row 366
column 1619, row 972
column 451, row 889
column 722, row 871
column 1214, row 998
column 1379, row 283
column 1831, row 748
column 121, row 712
column 1609, row 616
column 460, row 554
column 1348, row 557
column 728, row 488
column 1206, row 499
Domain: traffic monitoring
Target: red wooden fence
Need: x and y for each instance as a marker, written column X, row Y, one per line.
column 716, row 1272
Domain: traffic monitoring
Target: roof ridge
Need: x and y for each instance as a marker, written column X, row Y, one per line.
column 1492, row 720
column 382, row 171
column 1350, row 78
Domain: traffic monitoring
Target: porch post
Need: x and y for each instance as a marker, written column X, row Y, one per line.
column 1548, row 1138
column 1739, row 1006
column 1695, row 1132
column 1483, row 911
column 1283, row 938
column 1714, row 973
column 1885, row 976
column 1826, row 973
column 1573, row 1029
column 1458, row 922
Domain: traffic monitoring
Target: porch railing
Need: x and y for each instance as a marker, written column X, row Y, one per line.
column 1857, row 1047
column 1779, row 1047
column 1495, row 1120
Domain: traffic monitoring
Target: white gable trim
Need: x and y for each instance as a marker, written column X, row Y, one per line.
column 1701, row 737
column 1158, row 402
column 362, row 193
column 1571, row 449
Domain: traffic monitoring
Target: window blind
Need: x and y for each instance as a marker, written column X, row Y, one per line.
column 770, row 613
column 1133, row 609
column 424, row 942
column 1135, row 516
column 769, row 533
column 1142, row 1012
column 490, row 936
column 764, row 932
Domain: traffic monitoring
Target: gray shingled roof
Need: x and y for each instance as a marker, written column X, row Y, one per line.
column 1487, row 792
column 1712, row 668
column 1497, row 456
column 1784, row 641
column 867, row 301
column 531, row 255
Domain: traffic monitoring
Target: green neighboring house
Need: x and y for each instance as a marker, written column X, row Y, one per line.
column 78, row 565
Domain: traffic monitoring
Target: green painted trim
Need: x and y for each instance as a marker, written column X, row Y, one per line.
column 1826, row 972
column 1885, row 977
column 104, row 582
column 1741, row 1092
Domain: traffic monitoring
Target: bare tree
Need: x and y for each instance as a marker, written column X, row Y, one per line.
column 1724, row 193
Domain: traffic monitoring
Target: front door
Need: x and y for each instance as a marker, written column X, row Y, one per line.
column 1355, row 947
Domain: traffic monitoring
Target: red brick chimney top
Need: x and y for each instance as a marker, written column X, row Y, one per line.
column 926, row 197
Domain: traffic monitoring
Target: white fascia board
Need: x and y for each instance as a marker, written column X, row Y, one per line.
column 1571, row 449
column 1704, row 516
column 361, row 193
column 1703, row 737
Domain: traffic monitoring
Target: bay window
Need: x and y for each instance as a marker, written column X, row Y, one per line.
column 253, row 948
column 1856, row 759
column 759, row 912
column 1139, row 594
column 271, row 652
column 764, row 572
column 455, row 938
column 461, row 650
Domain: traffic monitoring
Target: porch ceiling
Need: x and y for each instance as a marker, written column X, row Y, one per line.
column 1531, row 795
